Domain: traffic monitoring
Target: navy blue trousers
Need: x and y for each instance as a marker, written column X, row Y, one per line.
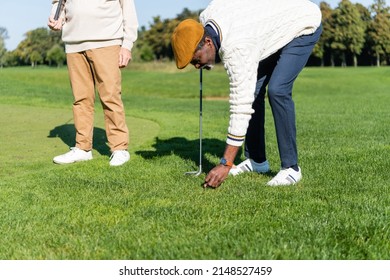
column 278, row 73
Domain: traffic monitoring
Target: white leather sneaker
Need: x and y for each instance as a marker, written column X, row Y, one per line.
column 249, row 165
column 74, row 155
column 286, row 177
column 119, row 157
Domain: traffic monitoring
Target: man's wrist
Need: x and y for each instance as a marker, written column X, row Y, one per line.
column 226, row 162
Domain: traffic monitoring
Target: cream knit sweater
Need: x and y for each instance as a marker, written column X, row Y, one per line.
column 250, row 31
column 90, row 24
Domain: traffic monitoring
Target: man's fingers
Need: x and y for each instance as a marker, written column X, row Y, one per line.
column 123, row 61
column 124, row 57
column 54, row 24
column 212, row 181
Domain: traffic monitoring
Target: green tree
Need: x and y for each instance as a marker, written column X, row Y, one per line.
column 55, row 39
column 38, row 41
column 158, row 36
column 186, row 13
column 323, row 44
column 3, row 50
column 349, row 31
column 379, row 30
column 146, row 53
column 3, row 33
column 11, row 59
column 35, row 58
column 56, row 55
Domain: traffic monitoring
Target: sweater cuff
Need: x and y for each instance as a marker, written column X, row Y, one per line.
column 127, row 45
column 235, row 140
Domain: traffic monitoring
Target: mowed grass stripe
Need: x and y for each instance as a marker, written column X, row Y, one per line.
column 37, row 134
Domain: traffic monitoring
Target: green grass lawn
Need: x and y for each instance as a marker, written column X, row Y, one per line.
column 148, row 209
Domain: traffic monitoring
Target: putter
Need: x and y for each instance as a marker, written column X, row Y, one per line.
column 58, row 11
column 199, row 171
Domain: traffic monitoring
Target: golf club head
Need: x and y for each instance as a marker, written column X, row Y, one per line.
column 195, row 173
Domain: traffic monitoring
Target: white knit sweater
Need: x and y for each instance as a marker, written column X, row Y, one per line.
column 250, row 31
column 90, row 24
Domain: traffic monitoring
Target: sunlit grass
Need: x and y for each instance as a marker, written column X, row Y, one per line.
column 148, row 209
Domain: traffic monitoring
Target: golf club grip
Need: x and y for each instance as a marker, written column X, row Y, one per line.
column 58, row 11
column 200, row 89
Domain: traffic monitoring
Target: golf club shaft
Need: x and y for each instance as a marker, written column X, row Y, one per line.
column 199, row 171
column 58, row 11
column 200, row 117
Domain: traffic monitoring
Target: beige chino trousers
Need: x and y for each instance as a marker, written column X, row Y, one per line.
column 91, row 70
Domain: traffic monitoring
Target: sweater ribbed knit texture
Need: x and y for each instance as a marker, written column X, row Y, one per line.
column 250, row 31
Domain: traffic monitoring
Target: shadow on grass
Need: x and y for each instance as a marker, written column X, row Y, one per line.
column 186, row 149
column 67, row 133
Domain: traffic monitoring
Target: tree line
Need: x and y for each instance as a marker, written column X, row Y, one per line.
column 353, row 35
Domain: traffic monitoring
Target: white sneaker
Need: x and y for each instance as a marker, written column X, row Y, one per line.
column 249, row 165
column 74, row 155
column 119, row 157
column 286, row 177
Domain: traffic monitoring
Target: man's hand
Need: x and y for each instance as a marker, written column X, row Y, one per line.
column 124, row 57
column 55, row 25
column 216, row 176
column 219, row 173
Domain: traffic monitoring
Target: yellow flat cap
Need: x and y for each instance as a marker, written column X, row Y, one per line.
column 185, row 38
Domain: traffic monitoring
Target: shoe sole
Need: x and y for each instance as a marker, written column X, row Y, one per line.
column 63, row 163
column 119, row 164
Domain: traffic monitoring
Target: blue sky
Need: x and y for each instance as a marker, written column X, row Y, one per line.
column 20, row 16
